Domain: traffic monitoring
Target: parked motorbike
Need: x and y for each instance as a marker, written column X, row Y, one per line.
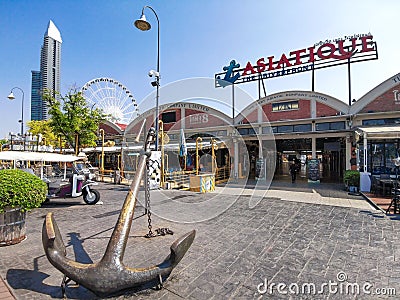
column 78, row 182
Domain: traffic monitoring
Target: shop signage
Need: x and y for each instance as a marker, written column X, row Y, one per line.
column 313, row 170
column 349, row 49
column 198, row 119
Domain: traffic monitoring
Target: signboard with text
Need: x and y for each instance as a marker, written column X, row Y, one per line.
column 328, row 53
column 313, row 170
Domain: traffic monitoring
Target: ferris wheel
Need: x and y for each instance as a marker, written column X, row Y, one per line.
column 113, row 98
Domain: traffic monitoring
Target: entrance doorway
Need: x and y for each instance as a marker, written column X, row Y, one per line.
column 329, row 151
column 252, row 150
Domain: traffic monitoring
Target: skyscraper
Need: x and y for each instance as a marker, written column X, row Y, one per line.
column 49, row 75
column 36, row 99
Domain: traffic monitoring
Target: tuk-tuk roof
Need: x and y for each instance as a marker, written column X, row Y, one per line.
column 37, row 156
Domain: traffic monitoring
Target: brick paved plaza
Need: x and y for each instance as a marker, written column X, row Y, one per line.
column 281, row 241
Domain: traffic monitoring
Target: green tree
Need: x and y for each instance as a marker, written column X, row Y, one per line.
column 3, row 142
column 43, row 127
column 73, row 119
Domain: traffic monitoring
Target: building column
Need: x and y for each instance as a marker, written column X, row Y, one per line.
column 348, row 152
column 235, row 159
column 259, row 114
column 314, row 147
column 365, row 152
column 183, row 118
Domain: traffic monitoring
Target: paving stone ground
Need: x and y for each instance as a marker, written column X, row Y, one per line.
column 323, row 249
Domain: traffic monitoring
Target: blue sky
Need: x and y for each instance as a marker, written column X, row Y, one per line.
column 197, row 39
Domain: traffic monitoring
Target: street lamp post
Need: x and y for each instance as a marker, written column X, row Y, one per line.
column 144, row 25
column 12, row 97
column 102, row 152
column 198, row 146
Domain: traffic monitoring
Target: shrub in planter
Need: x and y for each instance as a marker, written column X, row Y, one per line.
column 19, row 192
column 351, row 178
column 21, row 189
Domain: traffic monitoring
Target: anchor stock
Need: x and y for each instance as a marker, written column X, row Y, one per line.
column 110, row 275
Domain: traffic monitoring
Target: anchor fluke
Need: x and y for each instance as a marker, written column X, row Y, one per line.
column 180, row 246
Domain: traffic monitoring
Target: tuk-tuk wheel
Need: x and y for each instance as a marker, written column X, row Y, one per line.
column 95, row 196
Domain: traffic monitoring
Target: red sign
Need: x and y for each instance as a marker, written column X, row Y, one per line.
column 311, row 54
column 349, row 49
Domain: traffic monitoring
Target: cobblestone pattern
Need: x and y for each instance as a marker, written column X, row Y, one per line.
column 280, row 241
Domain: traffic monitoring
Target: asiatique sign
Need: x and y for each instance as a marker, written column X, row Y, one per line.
column 328, row 53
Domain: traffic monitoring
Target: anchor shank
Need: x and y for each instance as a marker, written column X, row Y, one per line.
column 117, row 244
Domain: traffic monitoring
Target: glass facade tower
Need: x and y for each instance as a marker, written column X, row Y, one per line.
column 48, row 78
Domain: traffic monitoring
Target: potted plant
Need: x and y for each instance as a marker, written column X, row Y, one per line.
column 19, row 192
column 351, row 180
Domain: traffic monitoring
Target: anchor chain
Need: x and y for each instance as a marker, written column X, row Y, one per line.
column 147, row 195
column 159, row 231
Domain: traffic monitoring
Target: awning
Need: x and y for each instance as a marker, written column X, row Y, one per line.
column 380, row 132
column 37, row 156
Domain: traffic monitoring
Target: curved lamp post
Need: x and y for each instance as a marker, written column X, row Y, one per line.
column 143, row 25
column 12, row 97
column 102, row 152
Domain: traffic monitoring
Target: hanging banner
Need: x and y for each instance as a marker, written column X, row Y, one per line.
column 155, row 170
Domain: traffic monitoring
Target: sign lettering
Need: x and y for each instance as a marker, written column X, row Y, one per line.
column 198, row 119
column 356, row 48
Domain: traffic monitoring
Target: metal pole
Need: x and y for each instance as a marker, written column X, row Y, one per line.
column 349, row 79
column 22, row 108
column 158, row 76
column 102, row 152
column 162, row 153
column 22, row 113
column 233, row 104
column 312, row 78
column 213, row 155
column 158, row 71
column 198, row 139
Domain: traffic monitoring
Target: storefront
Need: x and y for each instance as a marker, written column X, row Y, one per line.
column 258, row 141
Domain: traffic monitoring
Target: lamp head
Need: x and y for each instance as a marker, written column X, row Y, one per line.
column 142, row 23
column 11, row 96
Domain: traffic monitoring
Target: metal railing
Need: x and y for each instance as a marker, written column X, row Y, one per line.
column 175, row 179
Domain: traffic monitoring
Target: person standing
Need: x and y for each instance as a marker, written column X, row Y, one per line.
column 293, row 170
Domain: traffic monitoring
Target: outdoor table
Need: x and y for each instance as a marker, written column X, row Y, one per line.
column 387, row 183
column 384, row 183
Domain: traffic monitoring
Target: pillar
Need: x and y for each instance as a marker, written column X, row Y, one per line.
column 314, row 147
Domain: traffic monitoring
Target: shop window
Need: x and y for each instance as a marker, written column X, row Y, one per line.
column 377, row 122
column 330, row 126
column 221, row 133
column 302, row 128
column 380, row 158
column 285, row 128
column 246, row 131
column 282, row 106
column 321, row 126
column 337, row 125
column 268, row 130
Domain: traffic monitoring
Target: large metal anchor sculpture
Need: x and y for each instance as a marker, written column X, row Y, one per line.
column 110, row 275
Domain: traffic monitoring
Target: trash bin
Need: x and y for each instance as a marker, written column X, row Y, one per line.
column 117, row 177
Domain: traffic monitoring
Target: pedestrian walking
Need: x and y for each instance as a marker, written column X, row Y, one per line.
column 293, row 170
